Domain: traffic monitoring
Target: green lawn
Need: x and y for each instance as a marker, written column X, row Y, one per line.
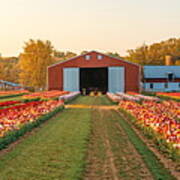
column 55, row 151
column 87, row 100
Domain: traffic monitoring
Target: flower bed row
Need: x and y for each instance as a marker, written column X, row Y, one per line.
column 3, row 93
column 170, row 95
column 9, row 103
column 131, row 97
column 113, row 97
column 10, row 94
column 45, row 94
column 170, row 109
column 127, row 97
column 12, row 136
column 13, row 118
column 149, row 116
column 147, row 98
column 143, row 97
column 69, row 97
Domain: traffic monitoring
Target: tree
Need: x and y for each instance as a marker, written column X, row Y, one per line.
column 1, row 71
column 84, row 52
column 8, row 69
column 177, row 63
column 33, row 63
column 60, row 55
column 139, row 55
column 155, row 54
column 70, row 55
column 113, row 54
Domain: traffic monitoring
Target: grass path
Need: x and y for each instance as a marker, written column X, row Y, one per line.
column 87, row 100
column 55, row 151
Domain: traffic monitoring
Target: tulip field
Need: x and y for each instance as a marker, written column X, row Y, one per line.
column 12, row 94
column 63, row 135
column 45, row 94
column 3, row 93
column 15, row 117
column 8, row 103
column 161, row 118
column 169, row 95
column 15, row 114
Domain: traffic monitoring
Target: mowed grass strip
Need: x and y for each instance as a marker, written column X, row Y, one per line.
column 92, row 100
column 56, row 151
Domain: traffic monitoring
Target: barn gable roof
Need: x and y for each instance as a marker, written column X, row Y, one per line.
column 71, row 59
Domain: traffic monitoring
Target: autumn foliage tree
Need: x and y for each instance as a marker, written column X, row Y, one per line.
column 33, row 63
column 114, row 54
column 9, row 69
column 155, row 54
column 60, row 55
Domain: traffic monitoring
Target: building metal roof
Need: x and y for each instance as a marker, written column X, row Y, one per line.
column 161, row 71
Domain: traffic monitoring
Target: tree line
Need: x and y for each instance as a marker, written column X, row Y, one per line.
column 30, row 68
column 155, row 54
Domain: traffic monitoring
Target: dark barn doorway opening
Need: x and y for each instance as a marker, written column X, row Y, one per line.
column 94, row 79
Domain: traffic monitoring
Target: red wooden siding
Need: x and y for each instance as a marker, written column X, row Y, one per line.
column 132, row 71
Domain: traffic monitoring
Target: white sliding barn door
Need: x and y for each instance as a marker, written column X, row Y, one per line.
column 116, row 79
column 71, row 79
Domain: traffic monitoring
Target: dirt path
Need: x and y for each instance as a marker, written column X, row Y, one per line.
column 111, row 156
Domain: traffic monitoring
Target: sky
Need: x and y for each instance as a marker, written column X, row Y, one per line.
column 77, row 25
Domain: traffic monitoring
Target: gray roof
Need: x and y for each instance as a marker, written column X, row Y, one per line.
column 161, row 71
column 10, row 83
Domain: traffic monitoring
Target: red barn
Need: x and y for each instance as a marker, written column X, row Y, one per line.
column 94, row 71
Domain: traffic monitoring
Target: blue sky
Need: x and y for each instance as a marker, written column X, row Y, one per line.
column 76, row 25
